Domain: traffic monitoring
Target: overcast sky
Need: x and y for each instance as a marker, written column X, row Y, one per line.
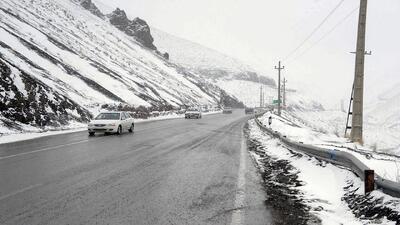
column 261, row 32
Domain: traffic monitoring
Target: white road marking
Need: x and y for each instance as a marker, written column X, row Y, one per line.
column 237, row 214
column 43, row 149
column 135, row 150
column 19, row 191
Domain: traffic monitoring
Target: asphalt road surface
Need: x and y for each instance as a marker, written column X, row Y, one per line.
column 167, row 172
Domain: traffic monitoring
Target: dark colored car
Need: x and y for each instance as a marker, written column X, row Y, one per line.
column 249, row 110
column 227, row 110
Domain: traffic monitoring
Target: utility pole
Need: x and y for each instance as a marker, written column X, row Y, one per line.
column 356, row 134
column 279, row 68
column 284, row 92
column 261, row 97
column 264, row 100
column 350, row 112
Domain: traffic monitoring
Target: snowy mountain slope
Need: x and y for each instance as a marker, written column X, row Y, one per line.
column 79, row 60
column 28, row 100
column 226, row 72
column 195, row 56
column 386, row 110
column 205, row 61
column 382, row 128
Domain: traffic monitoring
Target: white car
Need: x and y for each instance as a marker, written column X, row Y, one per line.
column 193, row 113
column 227, row 110
column 111, row 122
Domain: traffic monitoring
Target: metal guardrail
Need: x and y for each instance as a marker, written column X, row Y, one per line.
column 337, row 157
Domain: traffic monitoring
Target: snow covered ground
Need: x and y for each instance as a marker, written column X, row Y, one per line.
column 8, row 135
column 381, row 132
column 387, row 166
column 382, row 129
column 322, row 186
column 381, row 121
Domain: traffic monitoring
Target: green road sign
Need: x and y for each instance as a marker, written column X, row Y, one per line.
column 275, row 101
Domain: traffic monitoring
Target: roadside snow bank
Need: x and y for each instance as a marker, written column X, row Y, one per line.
column 8, row 135
column 321, row 186
column 387, row 166
column 380, row 135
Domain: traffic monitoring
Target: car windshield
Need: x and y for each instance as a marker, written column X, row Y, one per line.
column 191, row 110
column 107, row 116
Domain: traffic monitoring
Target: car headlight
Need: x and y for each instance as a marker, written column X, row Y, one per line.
column 90, row 124
column 111, row 124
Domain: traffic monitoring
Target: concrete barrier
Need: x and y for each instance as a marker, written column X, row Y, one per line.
column 337, row 157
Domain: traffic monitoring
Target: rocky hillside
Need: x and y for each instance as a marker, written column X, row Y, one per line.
column 28, row 100
column 89, row 5
column 137, row 27
column 61, row 60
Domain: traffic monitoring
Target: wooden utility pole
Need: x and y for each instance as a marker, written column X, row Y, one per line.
column 356, row 134
column 284, row 92
column 279, row 68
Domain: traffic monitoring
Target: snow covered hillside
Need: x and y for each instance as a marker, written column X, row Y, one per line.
column 195, row 56
column 205, row 61
column 228, row 73
column 60, row 60
column 382, row 128
column 381, row 122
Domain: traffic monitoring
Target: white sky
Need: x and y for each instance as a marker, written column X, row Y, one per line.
column 261, row 32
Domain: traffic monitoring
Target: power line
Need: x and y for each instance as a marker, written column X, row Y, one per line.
column 325, row 35
column 315, row 30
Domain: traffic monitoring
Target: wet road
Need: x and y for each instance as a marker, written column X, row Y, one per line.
column 167, row 172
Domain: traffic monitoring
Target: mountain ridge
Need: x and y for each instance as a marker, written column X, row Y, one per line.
column 206, row 61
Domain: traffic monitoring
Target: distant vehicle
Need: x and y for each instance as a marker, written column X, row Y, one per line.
column 193, row 113
column 227, row 110
column 155, row 113
column 249, row 110
column 111, row 122
column 259, row 110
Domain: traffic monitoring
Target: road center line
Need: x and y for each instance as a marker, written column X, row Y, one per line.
column 237, row 214
column 19, row 191
column 43, row 149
